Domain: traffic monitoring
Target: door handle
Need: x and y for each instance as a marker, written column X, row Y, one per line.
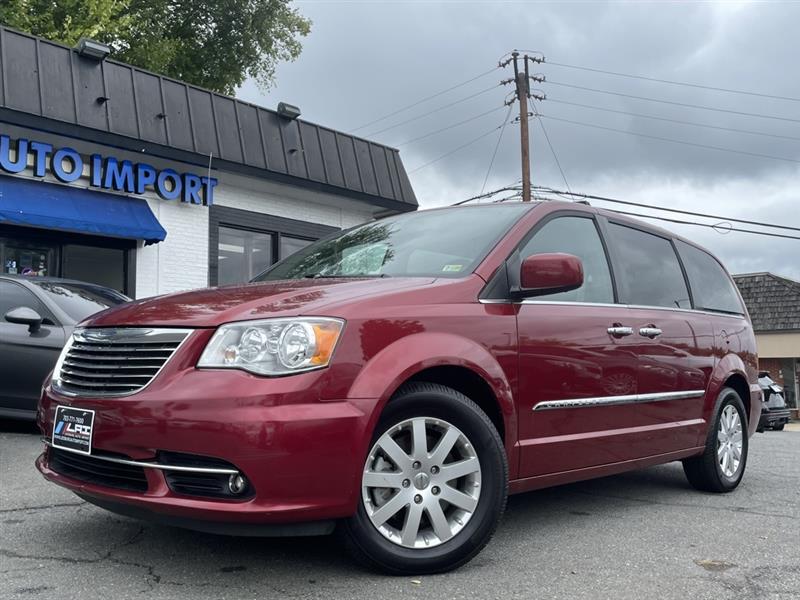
column 619, row 331
column 650, row 332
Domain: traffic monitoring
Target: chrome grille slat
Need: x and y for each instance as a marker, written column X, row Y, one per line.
column 115, row 362
column 117, row 349
column 121, row 357
column 94, row 367
column 90, row 375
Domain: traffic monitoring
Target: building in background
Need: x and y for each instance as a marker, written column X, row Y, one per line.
column 774, row 306
column 121, row 177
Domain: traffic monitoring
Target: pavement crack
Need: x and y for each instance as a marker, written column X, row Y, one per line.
column 42, row 507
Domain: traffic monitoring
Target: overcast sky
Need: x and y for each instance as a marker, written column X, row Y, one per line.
column 363, row 60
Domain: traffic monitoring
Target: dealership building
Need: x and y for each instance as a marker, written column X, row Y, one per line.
column 122, row 177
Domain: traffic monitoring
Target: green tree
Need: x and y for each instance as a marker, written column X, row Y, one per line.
column 215, row 44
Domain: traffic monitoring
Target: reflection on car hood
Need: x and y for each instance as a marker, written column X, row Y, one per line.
column 210, row 307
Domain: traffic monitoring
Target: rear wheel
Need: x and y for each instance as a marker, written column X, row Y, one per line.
column 778, row 427
column 433, row 486
column 721, row 467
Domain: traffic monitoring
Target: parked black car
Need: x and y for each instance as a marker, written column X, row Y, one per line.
column 774, row 412
column 37, row 314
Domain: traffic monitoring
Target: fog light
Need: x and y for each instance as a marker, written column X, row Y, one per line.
column 237, row 483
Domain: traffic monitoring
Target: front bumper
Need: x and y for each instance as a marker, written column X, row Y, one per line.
column 302, row 458
column 771, row 418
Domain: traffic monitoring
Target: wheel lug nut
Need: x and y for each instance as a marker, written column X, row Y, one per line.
column 417, row 499
column 416, row 464
column 434, row 470
column 406, row 483
column 435, row 491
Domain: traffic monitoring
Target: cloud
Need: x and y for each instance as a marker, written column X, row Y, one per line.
column 364, row 59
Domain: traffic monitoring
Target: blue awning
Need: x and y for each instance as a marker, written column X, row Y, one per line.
column 51, row 206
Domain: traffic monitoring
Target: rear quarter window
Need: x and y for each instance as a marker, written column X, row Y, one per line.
column 712, row 289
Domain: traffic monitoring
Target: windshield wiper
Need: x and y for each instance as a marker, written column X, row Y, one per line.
column 349, row 276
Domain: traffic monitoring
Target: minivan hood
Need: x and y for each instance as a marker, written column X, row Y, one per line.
column 210, row 307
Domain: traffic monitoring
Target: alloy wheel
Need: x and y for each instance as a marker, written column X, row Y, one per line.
column 729, row 441
column 421, row 482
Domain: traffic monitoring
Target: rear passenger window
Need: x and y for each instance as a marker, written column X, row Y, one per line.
column 712, row 289
column 651, row 274
column 577, row 236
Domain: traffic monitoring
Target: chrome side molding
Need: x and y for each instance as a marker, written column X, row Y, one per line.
column 617, row 400
column 149, row 465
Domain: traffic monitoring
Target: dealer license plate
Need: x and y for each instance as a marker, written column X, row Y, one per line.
column 72, row 429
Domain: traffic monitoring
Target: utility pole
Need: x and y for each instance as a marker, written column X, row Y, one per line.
column 523, row 92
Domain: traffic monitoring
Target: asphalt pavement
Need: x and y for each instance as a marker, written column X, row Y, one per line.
column 645, row 534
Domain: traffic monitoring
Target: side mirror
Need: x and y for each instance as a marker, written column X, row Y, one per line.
column 22, row 315
column 550, row 273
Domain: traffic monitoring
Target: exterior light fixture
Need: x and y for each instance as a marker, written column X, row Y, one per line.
column 288, row 111
column 91, row 49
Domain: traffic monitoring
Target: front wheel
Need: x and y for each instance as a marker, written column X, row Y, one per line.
column 721, row 467
column 778, row 427
column 433, row 487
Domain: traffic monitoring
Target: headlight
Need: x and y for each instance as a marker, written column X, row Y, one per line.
column 273, row 346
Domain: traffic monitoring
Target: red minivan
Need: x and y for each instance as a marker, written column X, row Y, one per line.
column 400, row 378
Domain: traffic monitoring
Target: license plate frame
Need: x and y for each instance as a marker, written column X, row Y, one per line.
column 73, row 429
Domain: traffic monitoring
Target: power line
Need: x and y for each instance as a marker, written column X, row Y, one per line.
column 454, row 150
column 673, row 141
column 672, row 82
column 421, row 101
column 435, row 110
column 496, row 148
column 683, row 104
column 509, row 188
column 673, row 210
column 632, row 114
column 714, row 227
column 553, row 151
column 432, row 133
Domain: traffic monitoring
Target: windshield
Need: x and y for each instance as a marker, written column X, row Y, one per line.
column 435, row 243
column 80, row 301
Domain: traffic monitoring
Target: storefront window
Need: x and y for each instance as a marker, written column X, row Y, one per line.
column 30, row 260
column 243, row 254
column 290, row 245
column 103, row 266
column 38, row 253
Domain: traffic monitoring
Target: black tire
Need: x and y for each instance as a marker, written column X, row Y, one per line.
column 778, row 427
column 373, row 549
column 704, row 472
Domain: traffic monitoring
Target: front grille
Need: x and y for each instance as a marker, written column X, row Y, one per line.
column 96, row 471
column 115, row 362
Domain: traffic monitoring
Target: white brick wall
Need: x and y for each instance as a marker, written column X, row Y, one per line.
column 180, row 262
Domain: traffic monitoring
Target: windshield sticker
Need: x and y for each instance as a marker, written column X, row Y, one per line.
column 452, row 268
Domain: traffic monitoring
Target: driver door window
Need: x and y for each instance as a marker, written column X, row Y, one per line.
column 577, row 236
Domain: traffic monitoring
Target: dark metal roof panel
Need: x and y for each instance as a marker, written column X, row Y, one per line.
column 51, row 81
column 201, row 117
column 90, row 91
column 55, row 64
column 176, row 115
column 227, row 129
column 273, row 140
column 22, row 72
column 150, row 107
column 121, row 104
column 330, row 156
column 312, row 152
column 251, row 135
